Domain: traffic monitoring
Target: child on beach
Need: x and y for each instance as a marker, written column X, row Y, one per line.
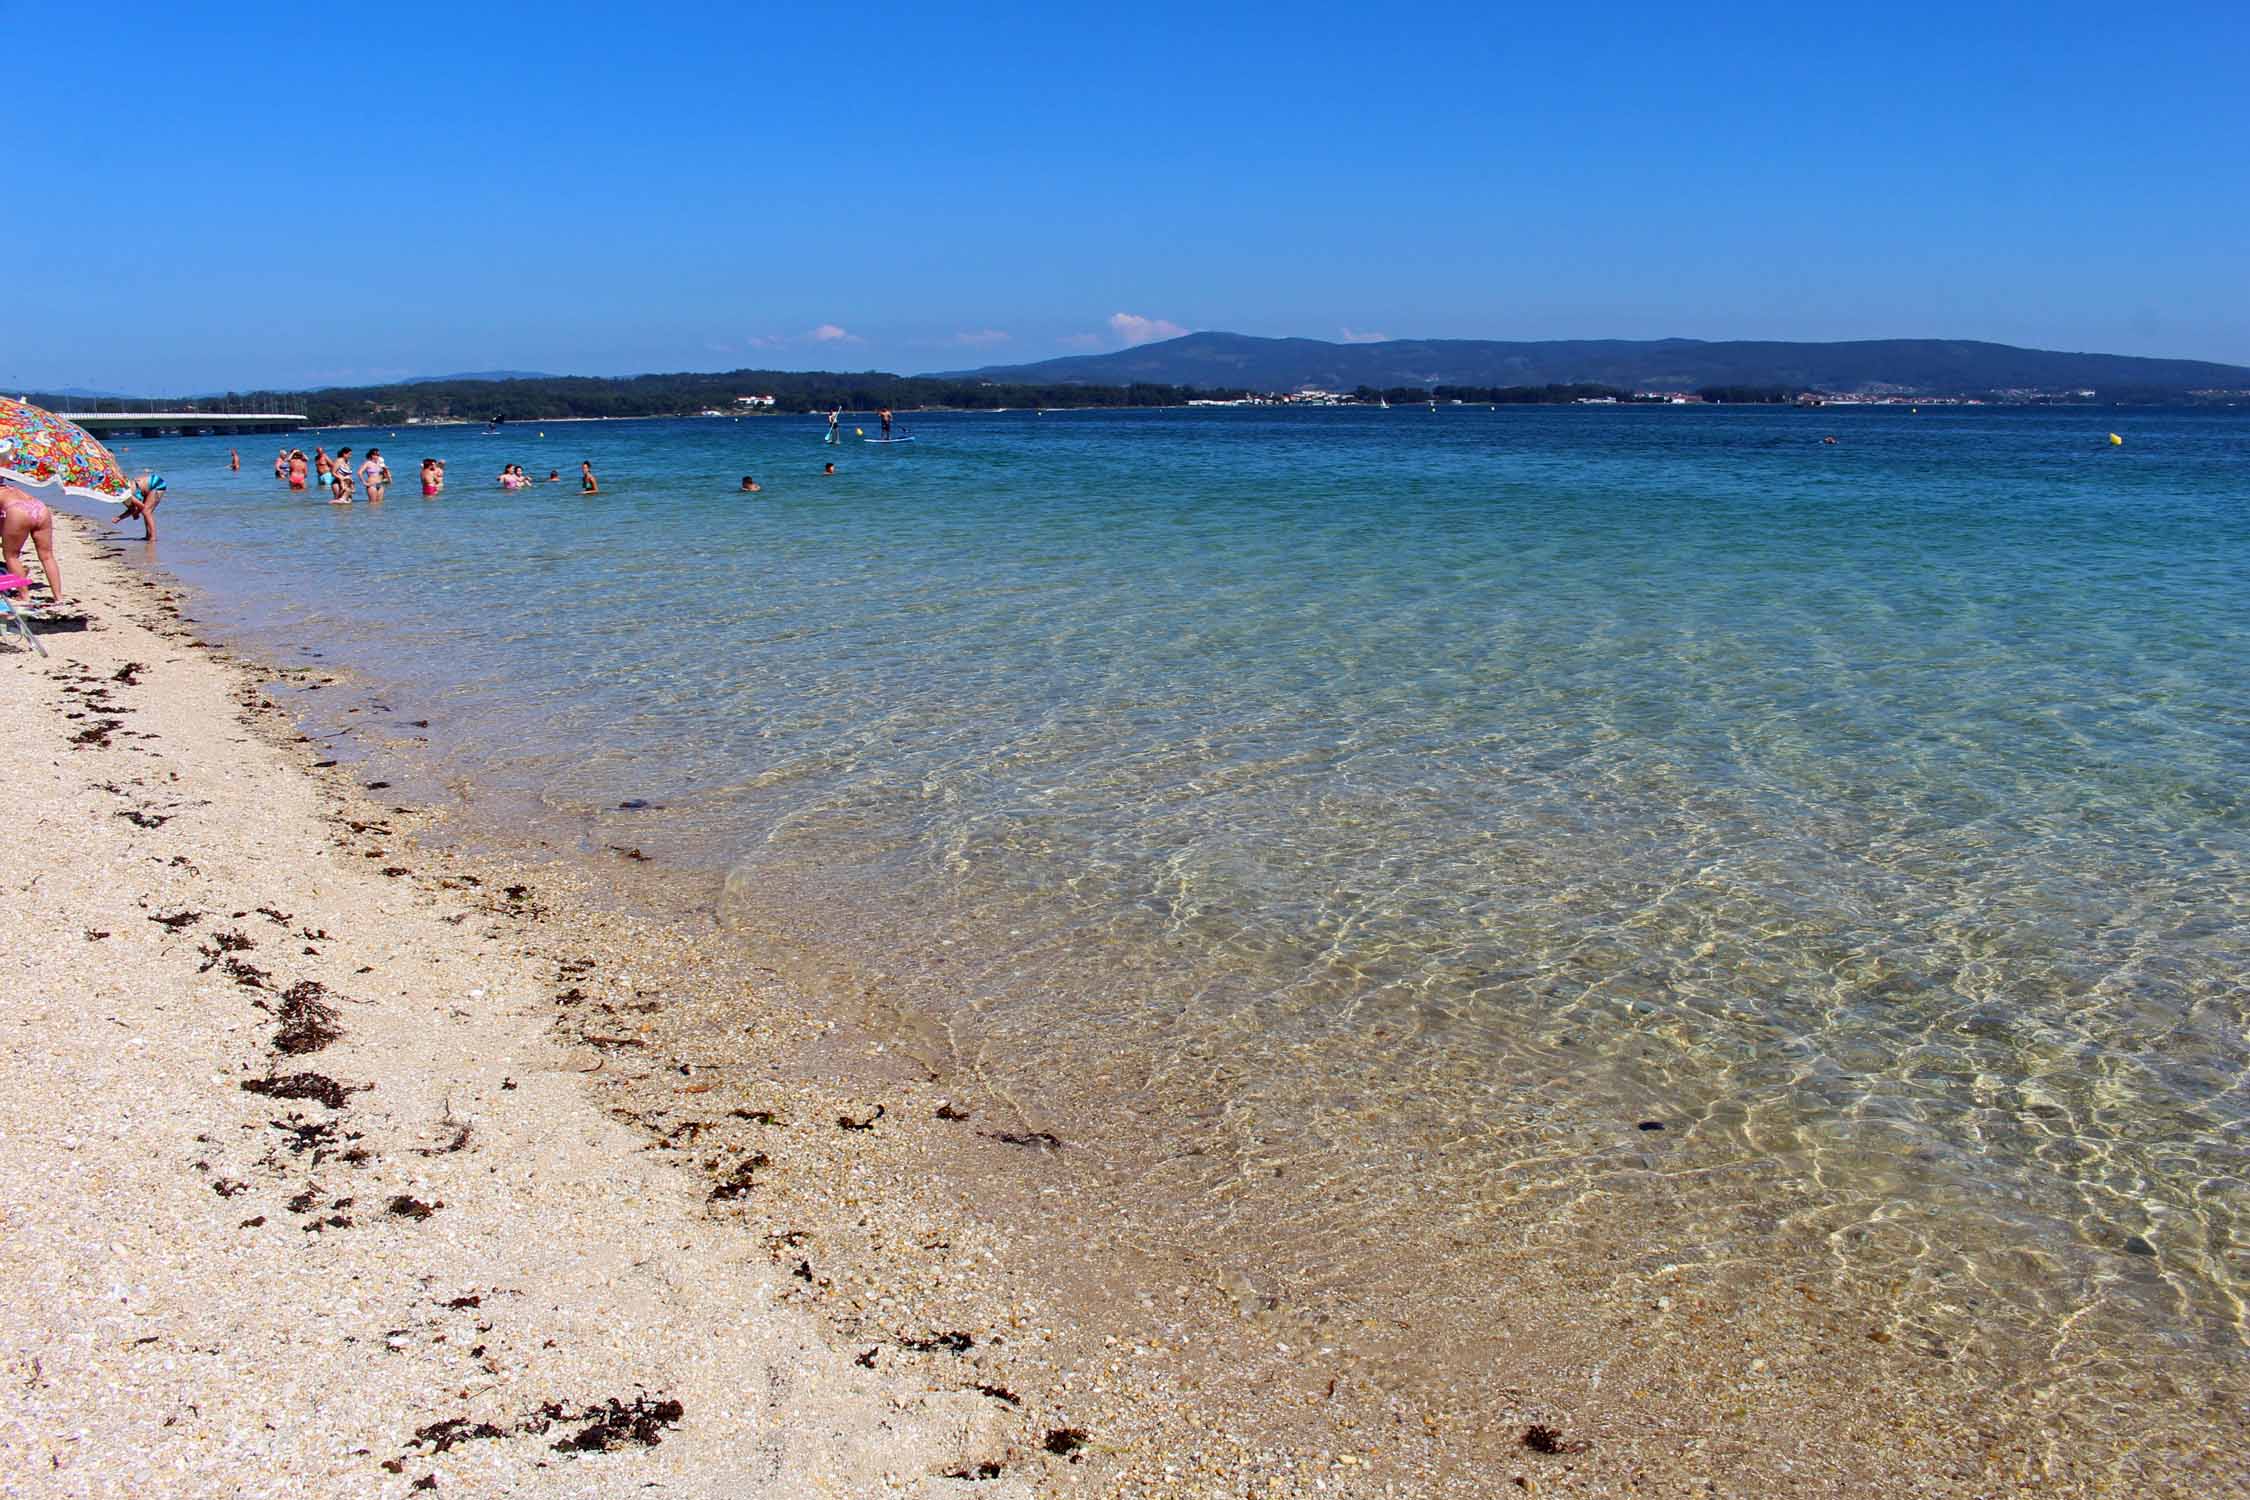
column 24, row 516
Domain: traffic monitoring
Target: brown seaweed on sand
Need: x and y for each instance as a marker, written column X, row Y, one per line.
column 612, row 1424
column 317, row 1087
column 739, row 1182
column 308, row 1021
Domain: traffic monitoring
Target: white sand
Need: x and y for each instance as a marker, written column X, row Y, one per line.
column 181, row 1313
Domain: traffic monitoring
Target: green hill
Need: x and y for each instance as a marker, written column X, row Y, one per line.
column 1922, row 366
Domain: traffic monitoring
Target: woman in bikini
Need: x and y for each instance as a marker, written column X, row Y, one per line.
column 25, row 516
column 148, row 493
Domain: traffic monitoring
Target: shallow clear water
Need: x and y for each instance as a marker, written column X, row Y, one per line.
column 1871, row 815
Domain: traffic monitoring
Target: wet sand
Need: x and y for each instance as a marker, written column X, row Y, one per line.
column 564, row 1165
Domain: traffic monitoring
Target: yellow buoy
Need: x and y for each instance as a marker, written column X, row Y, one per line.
column 859, row 432
column 2115, row 441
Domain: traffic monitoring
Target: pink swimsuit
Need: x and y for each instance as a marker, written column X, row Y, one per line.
column 34, row 512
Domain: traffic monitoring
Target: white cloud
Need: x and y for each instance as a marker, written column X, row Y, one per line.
column 1354, row 336
column 1135, row 329
column 979, row 338
column 829, row 333
column 766, row 341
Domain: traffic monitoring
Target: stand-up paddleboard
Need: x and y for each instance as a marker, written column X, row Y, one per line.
column 888, row 440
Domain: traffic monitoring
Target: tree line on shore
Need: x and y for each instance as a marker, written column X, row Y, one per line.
column 550, row 397
column 1560, row 395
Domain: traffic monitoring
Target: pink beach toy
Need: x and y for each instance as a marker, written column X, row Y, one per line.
column 10, row 585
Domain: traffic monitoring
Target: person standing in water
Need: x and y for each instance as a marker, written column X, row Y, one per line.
column 323, row 466
column 587, row 483
column 281, row 464
column 234, row 459
column 836, row 425
column 340, row 478
column 374, row 475
column 297, row 469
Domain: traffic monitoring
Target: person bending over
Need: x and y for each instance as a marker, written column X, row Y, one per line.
column 148, row 493
column 24, row 516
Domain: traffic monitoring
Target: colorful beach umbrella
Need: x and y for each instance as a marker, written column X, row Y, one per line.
column 37, row 447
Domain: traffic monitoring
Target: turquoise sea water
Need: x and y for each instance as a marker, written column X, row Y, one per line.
column 1872, row 815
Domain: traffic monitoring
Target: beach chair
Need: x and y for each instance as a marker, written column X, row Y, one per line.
column 9, row 583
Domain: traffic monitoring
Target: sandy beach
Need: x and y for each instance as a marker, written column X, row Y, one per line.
column 340, row 1162
column 300, row 1195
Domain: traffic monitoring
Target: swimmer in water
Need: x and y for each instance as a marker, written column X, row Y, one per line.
column 25, row 517
column 748, row 484
column 587, row 483
column 827, row 468
column 554, row 476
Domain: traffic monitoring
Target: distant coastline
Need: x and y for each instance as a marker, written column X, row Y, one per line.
column 1222, row 368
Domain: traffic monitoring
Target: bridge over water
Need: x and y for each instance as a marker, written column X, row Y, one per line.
column 186, row 423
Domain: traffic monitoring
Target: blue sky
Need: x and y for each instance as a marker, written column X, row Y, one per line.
column 288, row 195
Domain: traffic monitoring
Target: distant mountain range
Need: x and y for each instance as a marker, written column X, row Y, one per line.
column 1933, row 366
column 475, row 375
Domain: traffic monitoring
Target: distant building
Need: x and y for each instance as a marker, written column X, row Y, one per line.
column 753, row 400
